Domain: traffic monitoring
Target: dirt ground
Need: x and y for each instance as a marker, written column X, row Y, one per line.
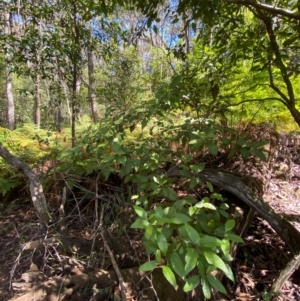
column 256, row 266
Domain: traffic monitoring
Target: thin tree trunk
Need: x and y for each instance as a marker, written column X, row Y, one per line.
column 37, row 101
column 91, row 88
column 9, row 91
column 76, row 79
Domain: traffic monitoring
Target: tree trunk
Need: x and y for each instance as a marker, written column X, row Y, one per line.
column 36, row 188
column 37, row 101
column 91, row 88
column 9, row 92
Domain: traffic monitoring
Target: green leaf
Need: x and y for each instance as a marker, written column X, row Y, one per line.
column 208, row 206
column 148, row 266
column 229, row 225
column 210, row 187
column 140, row 224
column 191, row 283
column 169, row 193
column 169, row 275
column 198, row 168
column 140, row 212
column 162, row 243
column 177, row 264
column 149, row 231
column 225, row 247
column 212, row 148
column 180, row 218
column 215, row 260
column 191, row 258
column 210, row 241
column 259, row 153
column 158, row 256
column 192, row 233
column 194, row 181
column 205, row 287
column 234, row 237
column 216, row 284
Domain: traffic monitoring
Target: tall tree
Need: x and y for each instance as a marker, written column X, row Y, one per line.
column 9, row 88
column 91, row 75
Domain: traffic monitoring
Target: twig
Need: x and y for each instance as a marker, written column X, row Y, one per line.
column 62, row 216
column 112, row 258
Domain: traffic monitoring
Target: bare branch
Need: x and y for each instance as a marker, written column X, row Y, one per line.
column 254, row 100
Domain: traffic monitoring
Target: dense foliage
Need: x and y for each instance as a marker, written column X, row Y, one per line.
column 161, row 81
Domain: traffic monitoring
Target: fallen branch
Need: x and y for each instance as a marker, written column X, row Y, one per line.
column 286, row 273
column 36, row 188
column 234, row 184
column 112, row 258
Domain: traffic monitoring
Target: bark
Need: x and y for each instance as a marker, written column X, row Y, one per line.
column 234, row 184
column 75, row 76
column 91, row 87
column 37, row 100
column 285, row 274
column 9, row 91
column 36, row 189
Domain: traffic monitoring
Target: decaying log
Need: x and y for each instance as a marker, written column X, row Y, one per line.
column 36, row 188
column 235, row 184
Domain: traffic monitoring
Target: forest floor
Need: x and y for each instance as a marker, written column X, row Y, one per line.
column 257, row 264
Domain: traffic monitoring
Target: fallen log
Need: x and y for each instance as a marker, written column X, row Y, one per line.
column 235, row 184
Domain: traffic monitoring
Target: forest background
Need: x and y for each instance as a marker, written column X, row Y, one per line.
column 127, row 92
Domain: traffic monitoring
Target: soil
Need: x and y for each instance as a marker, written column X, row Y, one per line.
column 257, row 264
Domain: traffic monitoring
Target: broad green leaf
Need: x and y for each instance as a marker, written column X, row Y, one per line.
column 212, row 148
column 150, row 246
column 140, row 224
column 191, row 258
column 201, row 267
column 225, row 246
column 198, row 167
column 158, row 256
column 192, row 210
column 148, row 266
column 215, row 260
column 140, row 212
column 180, row 218
column 162, row 243
column 229, row 225
column 209, row 206
column 169, row 193
column 192, row 233
column 169, row 275
column 210, row 241
column 159, row 212
column 193, row 182
column 210, row 187
column 205, row 287
column 217, row 196
column 259, row 153
column 191, row 283
column 234, row 238
column 183, row 232
column 177, row 264
column 116, row 145
column 149, row 231
column 216, row 284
